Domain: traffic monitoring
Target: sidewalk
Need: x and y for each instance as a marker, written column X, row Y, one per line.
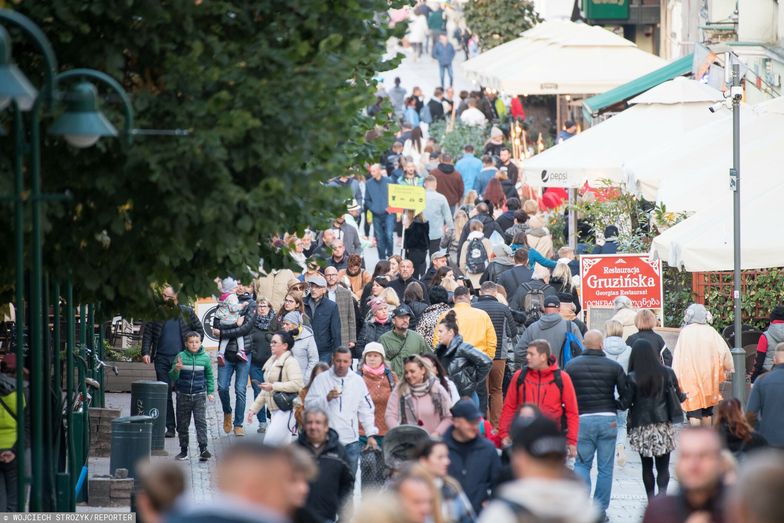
column 628, row 497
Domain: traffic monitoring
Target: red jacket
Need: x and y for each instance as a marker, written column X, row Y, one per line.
column 541, row 390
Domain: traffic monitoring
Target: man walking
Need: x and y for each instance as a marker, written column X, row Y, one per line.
column 437, row 260
column 404, row 277
column 543, row 384
column 324, row 317
column 400, row 342
column 505, row 160
column 377, row 201
column 232, row 364
column 334, row 481
column 551, row 327
column 596, row 380
column 469, row 167
column 163, row 340
column 505, row 329
column 512, row 279
column 767, row 401
column 473, row 460
column 444, row 53
column 436, row 105
column 485, row 175
column 437, row 213
column 449, row 182
column 343, row 298
column 343, row 395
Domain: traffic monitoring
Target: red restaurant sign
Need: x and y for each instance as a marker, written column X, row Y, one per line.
column 605, row 277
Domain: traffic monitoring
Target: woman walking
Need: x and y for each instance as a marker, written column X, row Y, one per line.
column 380, row 381
column 653, row 408
column 736, row 432
column 426, row 326
column 282, row 382
column 645, row 322
column 455, row 506
column 466, row 366
column 419, row 399
column 260, row 333
column 379, row 323
column 305, row 350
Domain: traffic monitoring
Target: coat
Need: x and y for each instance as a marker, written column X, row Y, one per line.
column 151, row 331
column 466, row 366
column 766, row 402
column 503, row 322
column 246, row 329
column 325, row 322
column 371, row 331
column 273, row 286
column 596, row 380
column 334, row 482
column 348, row 318
column 305, row 351
column 421, row 410
column 476, row 328
column 380, row 388
column 285, row 375
column 475, row 465
column 550, row 327
column 652, row 408
column 700, row 360
column 398, row 348
column 196, row 374
column 428, row 321
column 449, row 183
column 463, row 258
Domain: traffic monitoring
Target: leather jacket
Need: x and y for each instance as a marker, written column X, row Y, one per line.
column 647, row 410
column 466, row 365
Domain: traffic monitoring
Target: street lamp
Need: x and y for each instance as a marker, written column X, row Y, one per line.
column 81, row 125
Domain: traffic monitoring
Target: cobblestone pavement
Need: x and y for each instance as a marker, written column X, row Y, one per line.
column 628, row 497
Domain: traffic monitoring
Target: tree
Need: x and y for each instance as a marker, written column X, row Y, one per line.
column 499, row 21
column 272, row 93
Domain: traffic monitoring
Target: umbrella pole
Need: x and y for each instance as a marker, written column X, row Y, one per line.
column 572, row 218
column 738, row 353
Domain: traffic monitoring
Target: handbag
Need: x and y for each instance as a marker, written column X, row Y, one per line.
column 674, row 409
column 284, row 400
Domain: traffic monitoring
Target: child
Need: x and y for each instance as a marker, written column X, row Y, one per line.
column 194, row 383
column 229, row 315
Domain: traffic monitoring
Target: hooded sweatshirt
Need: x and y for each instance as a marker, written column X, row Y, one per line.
column 354, row 403
column 550, row 327
column 616, row 349
column 547, row 499
column 449, row 183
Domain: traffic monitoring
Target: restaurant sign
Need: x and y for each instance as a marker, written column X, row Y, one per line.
column 606, row 9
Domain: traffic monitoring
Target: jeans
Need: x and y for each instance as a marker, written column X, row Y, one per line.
column 325, row 357
column 163, row 364
column 352, row 455
column 446, row 68
column 622, row 416
column 242, row 368
column 195, row 404
column 383, row 229
column 597, row 436
column 256, row 374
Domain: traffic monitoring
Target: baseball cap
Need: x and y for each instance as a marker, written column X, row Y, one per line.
column 538, row 436
column 466, row 409
column 402, row 310
column 317, row 280
column 552, row 301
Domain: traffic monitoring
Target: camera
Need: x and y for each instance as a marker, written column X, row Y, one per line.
column 715, row 107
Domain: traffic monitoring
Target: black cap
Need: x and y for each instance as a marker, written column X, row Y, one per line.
column 466, row 409
column 538, row 436
column 402, row 310
column 552, row 301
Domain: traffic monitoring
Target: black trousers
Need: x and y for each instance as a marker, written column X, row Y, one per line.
column 163, row 364
column 196, row 405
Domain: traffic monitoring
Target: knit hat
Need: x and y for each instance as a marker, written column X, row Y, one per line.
column 228, row 284
column 376, row 347
column 538, row 436
column 293, row 317
column 352, row 206
column 495, row 132
column 376, row 304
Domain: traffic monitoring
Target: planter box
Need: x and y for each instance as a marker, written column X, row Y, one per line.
column 129, row 372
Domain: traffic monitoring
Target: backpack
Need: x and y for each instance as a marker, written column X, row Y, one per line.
column 572, row 346
column 558, row 380
column 533, row 300
column 424, row 115
column 476, row 256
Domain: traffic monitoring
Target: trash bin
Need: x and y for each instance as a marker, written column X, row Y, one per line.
column 148, row 398
column 131, row 437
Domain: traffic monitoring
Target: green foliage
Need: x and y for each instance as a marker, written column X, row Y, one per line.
column 499, row 21
column 272, row 94
column 461, row 135
column 761, row 291
column 677, row 294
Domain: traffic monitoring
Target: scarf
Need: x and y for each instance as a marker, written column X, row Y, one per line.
column 263, row 322
column 418, row 391
column 421, row 389
column 379, row 371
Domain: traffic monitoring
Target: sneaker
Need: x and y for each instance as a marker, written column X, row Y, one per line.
column 227, row 423
column 241, row 355
column 620, row 454
column 204, row 455
column 170, row 433
column 262, row 428
column 182, row 456
column 239, row 431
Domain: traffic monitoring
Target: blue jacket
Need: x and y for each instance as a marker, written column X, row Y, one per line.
column 411, row 116
column 325, row 323
column 475, row 465
column 377, row 195
column 444, row 53
column 469, row 167
column 483, row 178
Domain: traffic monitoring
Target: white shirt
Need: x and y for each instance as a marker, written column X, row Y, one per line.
column 473, row 116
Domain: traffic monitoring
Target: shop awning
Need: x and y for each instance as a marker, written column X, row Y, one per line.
column 594, row 105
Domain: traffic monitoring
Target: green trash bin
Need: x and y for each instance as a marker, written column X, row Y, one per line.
column 131, row 438
column 148, row 398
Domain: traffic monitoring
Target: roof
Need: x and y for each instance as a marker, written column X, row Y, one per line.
column 681, row 66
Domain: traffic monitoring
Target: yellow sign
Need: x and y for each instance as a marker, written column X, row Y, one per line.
column 407, row 197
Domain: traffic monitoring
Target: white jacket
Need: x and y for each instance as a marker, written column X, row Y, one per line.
column 354, row 404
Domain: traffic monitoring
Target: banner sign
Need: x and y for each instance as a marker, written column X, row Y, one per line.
column 604, row 277
column 606, row 9
column 205, row 310
column 406, row 197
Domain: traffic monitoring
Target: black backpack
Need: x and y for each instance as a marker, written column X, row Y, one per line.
column 476, row 256
column 558, row 380
column 532, row 302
